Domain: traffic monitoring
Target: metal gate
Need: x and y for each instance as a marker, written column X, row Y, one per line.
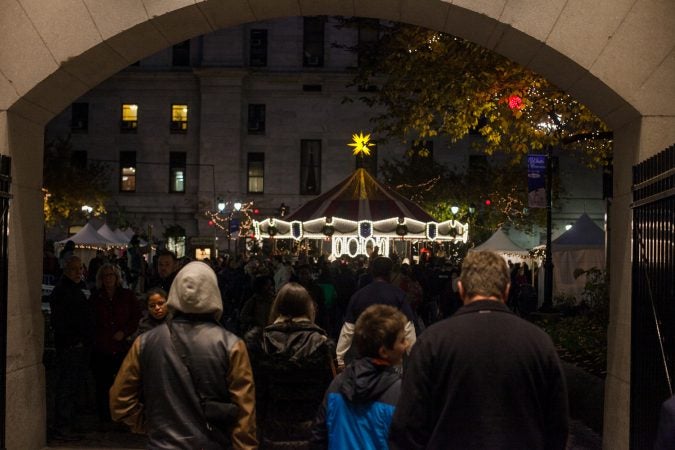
column 653, row 295
column 5, row 181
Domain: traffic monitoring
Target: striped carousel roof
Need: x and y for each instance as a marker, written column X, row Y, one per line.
column 360, row 197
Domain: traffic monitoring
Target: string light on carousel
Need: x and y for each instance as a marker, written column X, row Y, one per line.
column 360, row 214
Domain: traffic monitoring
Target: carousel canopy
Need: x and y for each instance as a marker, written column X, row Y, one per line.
column 360, row 197
column 360, row 208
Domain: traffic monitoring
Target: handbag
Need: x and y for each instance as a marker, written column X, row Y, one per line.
column 218, row 414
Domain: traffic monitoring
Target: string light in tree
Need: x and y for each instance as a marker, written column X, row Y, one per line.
column 222, row 220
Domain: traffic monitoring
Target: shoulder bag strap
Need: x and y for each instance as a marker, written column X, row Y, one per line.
column 182, row 352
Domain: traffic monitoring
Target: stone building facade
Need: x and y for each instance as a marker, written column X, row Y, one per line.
column 255, row 113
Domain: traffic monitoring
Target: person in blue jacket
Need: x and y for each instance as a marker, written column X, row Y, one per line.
column 359, row 404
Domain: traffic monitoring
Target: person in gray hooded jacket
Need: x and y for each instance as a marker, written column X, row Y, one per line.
column 154, row 391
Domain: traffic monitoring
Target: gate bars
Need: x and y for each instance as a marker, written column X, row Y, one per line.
column 653, row 294
column 5, row 196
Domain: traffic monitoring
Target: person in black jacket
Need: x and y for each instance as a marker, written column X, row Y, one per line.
column 292, row 361
column 72, row 317
column 484, row 378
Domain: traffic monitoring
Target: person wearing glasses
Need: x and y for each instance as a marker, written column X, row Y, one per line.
column 155, row 314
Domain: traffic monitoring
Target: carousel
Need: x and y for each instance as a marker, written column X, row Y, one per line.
column 358, row 215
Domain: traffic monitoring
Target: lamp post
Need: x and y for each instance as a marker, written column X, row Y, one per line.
column 547, row 305
column 236, row 208
column 552, row 125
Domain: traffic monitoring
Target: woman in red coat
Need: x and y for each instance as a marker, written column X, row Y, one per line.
column 117, row 315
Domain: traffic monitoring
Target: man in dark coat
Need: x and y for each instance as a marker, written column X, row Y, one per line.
column 484, row 378
column 167, row 267
column 378, row 292
column 72, row 317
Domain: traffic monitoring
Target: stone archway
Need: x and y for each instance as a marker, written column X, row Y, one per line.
column 618, row 57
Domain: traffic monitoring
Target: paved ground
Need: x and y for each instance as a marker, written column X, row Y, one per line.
column 581, row 438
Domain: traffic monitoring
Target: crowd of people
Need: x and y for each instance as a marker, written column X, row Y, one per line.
column 263, row 353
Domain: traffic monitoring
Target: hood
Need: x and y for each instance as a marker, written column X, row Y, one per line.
column 195, row 291
column 365, row 381
column 293, row 340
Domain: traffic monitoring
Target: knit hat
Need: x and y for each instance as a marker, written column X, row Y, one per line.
column 195, row 291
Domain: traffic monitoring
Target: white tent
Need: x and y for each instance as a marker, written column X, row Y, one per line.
column 580, row 247
column 500, row 243
column 87, row 236
column 111, row 236
column 122, row 236
column 87, row 241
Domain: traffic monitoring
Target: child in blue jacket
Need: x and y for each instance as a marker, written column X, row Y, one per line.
column 359, row 404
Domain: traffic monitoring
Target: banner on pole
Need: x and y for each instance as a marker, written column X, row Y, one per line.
column 536, row 181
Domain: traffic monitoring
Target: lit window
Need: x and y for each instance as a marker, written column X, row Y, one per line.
column 256, row 173
column 129, row 122
column 179, row 118
column 128, row 171
column 177, row 172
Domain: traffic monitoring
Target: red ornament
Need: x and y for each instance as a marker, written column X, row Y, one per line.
column 256, row 211
column 515, row 102
column 210, row 223
column 488, row 202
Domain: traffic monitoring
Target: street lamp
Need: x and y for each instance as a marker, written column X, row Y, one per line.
column 237, row 208
column 454, row 210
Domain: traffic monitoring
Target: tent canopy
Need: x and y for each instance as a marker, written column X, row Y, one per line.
column 111, row 236
column 500, row 242
column 88, row 236
column 581, row 247
column 360, row 197
column 583, row 234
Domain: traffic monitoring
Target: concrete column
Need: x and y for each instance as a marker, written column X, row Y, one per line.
column 26, row 404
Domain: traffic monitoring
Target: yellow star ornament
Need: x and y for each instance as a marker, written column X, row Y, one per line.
column 361, row 144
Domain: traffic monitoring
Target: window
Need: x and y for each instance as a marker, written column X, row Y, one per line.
column 312, row 40
column 256, row 173
column 127, row 171
column 179, row 119
column 181, row 54
column 79, row 119
column 79, row 159
column 177, row 171
column 129, row 122
column 310, row 167
column 368, row 162
column 369, row 35
column 258, row 48
column 256, row 119
column 312, row 87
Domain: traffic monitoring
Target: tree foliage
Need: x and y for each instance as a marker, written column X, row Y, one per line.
column 430, row 84
column 70, row 183
column 437, row 188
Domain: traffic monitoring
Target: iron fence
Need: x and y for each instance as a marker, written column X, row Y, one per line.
column 653, row 294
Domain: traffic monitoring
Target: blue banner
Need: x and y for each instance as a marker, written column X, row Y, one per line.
column 536, row 181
